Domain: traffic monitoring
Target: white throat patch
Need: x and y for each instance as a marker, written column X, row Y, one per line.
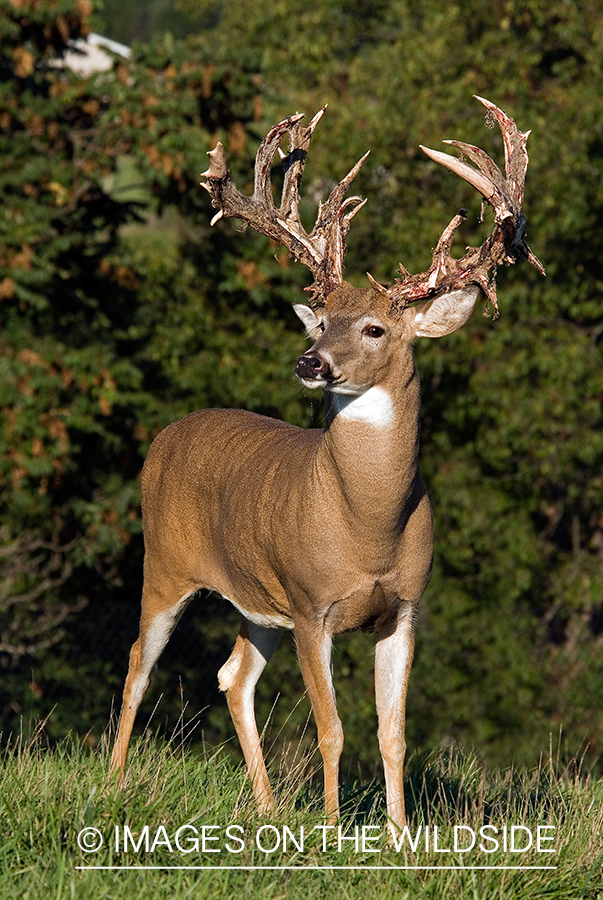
column 373, row 407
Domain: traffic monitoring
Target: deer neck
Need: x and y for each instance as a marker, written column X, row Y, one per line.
column 370, row 449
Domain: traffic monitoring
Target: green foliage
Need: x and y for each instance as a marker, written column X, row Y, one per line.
column 131, row 20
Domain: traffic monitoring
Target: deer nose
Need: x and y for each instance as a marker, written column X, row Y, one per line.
column 310, row 367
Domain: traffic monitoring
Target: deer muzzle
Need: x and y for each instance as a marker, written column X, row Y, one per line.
column 312, row 368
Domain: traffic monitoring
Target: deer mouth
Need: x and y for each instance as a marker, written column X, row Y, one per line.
column 314, row 383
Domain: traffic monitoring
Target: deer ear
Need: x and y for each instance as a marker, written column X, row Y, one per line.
column 309, row 318
column 446, row 313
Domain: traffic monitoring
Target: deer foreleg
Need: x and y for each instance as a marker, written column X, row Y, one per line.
column 238, row 677
column 393, row 659
column 314, row 654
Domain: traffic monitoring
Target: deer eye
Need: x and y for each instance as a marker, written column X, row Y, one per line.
column 321, row 327
column 374, row 331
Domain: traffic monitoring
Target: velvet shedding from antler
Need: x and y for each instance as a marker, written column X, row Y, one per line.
column 507, row 241
column 323, row 249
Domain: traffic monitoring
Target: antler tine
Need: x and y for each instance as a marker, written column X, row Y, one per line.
column 329, row 233
column 336, row 196
column 489, row 181
column 294, row 164
column 504, row 193
column 322, row 250
column 477, row 156
column 262, row 185
column 516, row 155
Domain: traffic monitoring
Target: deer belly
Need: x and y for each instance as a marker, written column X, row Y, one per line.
column 266, row 618
column 263, row 601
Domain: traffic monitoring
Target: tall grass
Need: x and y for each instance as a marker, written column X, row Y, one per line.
column 48, row 797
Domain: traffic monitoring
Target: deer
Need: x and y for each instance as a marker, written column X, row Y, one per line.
column 318, row 531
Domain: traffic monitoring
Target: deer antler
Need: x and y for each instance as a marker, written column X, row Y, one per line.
column 322, row 250
column 504, row 194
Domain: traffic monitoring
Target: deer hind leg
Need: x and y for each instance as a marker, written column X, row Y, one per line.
column 314, row 654
column 156, row 627
column 393, row 659
column 237, row 678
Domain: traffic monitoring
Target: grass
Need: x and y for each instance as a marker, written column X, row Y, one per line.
column 48, row 797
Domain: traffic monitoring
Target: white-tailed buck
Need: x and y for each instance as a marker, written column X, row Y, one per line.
column 324, row 530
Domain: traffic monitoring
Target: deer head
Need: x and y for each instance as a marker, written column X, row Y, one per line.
column 360, row 343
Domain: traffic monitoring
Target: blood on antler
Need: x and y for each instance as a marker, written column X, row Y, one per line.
column 322, row 250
